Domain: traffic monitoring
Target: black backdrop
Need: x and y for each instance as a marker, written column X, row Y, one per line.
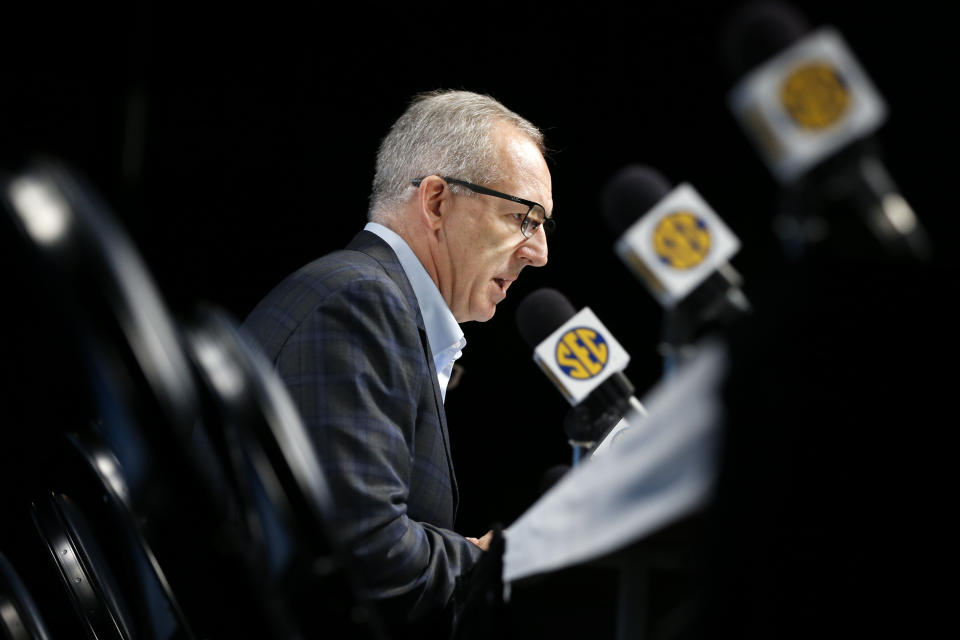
column 236, row 144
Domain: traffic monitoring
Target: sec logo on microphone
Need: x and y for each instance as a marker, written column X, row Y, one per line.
column 815, row 95
column 582, row 353
column 681, row 240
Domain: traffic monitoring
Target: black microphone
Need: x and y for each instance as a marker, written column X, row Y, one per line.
column 811, row 112
column 585, row 362
column 678, row 247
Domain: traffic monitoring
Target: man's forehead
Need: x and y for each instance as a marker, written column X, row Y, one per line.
column 525, row 166
column 518, row 147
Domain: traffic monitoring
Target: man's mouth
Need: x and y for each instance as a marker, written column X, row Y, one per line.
column 503, row 283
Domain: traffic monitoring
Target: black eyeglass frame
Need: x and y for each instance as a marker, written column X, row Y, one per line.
column 548, row 224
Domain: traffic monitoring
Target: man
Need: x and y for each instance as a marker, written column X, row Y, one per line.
column 366, row 338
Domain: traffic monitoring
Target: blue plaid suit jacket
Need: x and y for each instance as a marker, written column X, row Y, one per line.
column 346, row 335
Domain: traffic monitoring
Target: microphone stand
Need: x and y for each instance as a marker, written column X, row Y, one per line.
column 589, row 421
column 827, row 202
column 718, row 300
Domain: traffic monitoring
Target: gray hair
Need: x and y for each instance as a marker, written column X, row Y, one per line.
column 443, row 132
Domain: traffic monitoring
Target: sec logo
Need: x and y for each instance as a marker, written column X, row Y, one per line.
column 582, row 353
column 681, row 240
column 815, row 96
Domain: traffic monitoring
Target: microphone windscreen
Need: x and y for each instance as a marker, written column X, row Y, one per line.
column 758, row 31
column 630, row 193
column 541, row 313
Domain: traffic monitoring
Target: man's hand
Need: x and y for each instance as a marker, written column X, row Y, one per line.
column 484, row 542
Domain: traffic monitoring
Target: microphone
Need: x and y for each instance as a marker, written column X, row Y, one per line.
column 678, row 247
column 585, row 362
column 810, row 111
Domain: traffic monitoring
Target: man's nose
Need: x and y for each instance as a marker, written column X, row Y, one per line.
column 534, row 250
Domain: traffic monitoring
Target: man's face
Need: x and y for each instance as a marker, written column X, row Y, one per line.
column 485, row 250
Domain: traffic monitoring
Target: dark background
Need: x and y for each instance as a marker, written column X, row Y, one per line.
column 236, row 144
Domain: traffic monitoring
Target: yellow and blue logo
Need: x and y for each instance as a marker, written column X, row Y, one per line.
column 582, row 353
column 815, row 96
column 681, row 240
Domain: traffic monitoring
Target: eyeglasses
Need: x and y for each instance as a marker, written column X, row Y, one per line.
column 534, row 219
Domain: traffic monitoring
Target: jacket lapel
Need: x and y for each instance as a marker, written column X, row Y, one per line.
column 372, row 245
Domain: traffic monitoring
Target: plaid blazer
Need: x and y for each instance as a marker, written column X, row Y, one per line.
column 346, row 335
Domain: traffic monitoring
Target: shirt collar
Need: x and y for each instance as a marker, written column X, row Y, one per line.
column 443, row 331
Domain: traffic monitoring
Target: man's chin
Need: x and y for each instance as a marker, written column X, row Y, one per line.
column 481, row 315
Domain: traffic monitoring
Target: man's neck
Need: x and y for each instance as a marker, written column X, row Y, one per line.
column 421, row 246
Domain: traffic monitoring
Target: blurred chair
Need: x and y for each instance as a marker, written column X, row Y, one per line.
column 20, row 618
column 93, row 476
column 83, row 570
column 198, row 472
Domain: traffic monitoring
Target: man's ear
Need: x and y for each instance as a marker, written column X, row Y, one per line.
column 434, row 199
